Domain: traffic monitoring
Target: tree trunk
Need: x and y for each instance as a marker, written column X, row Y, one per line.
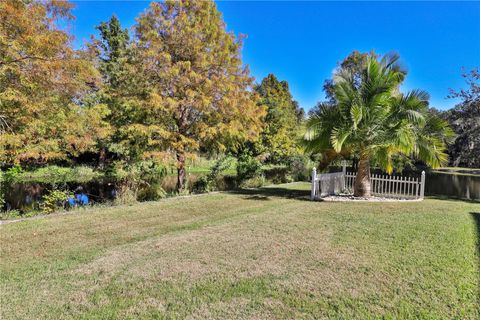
column 180, row 171
column 102, row 158
column 362, row 180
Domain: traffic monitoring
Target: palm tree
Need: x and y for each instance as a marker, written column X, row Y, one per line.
column 372, row 120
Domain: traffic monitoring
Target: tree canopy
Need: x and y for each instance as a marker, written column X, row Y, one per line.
column 465, row 121
column 42, row 84
column 124, row 91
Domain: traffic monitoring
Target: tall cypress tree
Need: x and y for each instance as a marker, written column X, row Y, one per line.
column 279, row 138
column 199, row 92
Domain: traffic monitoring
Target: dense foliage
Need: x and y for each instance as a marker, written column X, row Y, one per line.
column 198, row 91
column 465, row 121
column 176, row 87
column 125, row 107
column 42, row 84
column 279, row 138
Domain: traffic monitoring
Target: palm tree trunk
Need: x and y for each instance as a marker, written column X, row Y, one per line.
column 362, row 180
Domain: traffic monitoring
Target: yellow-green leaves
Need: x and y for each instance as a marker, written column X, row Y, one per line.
column 338, row 138
column 40, row 76
column 279, row 138
column 199, row 89
column 356, row 114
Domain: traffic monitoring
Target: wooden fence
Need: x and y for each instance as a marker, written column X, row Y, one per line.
column 381, row 185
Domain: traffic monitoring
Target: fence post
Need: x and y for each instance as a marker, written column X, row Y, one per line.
column 422, row 185
column 344, row 178
column 314, row 183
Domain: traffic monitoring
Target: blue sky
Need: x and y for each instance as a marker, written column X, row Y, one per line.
column 301, row 41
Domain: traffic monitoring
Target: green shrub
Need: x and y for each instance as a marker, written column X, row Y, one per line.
column 137, row 182
column 10, row 214
column 125, row 195
column 248, row 167
column 227, row 182
column 278, row 174
column 255, row 182
column 203, row 184
column 2, row 190
column 299, row 167
column 209, row 182
column 7, row 179
column 54, row 200
column 152, row 191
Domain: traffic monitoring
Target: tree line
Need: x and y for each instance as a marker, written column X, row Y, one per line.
column 173, row 86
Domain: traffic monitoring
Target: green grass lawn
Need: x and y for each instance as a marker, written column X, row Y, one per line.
column 267, row 253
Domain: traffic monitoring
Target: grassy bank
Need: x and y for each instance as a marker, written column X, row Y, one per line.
column 266, row 253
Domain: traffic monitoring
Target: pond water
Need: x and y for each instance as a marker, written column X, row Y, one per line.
column 453, row 185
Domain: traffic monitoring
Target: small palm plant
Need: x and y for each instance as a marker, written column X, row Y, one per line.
column 374, row 121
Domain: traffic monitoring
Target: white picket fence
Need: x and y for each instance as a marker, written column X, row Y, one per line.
column 381, row 185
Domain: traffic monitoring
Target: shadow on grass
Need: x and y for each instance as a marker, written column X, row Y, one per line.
column 267, row 193
column 449, row 198
column 476, row 219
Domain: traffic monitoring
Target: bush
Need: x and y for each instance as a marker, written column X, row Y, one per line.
column 209, row 182
column 152, row 191
column 248, row 167
column 10, row 214
column 227, row 182
column 255, row 182
column 7, row 179
column 54, row 200
column 2, row 190
column 278, row 174
column 299, row 167
column 139, row 181
column 203, row 184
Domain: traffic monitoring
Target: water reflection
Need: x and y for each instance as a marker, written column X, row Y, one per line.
column 453, row 185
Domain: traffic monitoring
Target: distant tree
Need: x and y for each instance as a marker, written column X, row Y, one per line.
column 373, row 120
column 279, row 138
column 299, row 111
column 355, row 62
column 465, row 121
column 42, row 85
column 198, row 91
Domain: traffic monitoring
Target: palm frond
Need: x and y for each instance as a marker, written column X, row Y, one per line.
column 338, row 137
column 356, row 113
